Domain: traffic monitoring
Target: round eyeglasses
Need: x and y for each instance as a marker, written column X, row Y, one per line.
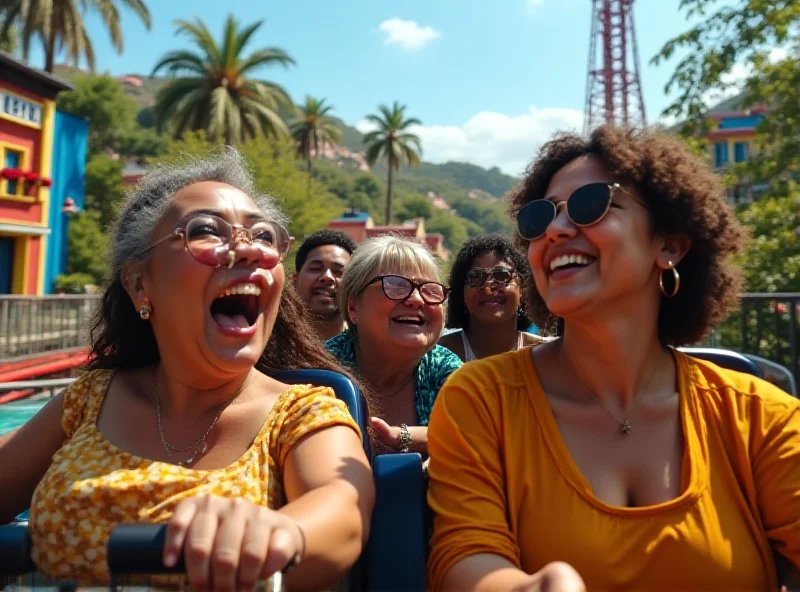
column 210, row 240
column 397, row 287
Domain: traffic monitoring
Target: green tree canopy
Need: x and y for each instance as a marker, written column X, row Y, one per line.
column 215, row 91
column 59, row 25
column 104, row 187
column 743, row 33
column 103, row 103
column 87, row 245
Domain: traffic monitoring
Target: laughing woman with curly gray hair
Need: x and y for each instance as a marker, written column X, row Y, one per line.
column 178, row 420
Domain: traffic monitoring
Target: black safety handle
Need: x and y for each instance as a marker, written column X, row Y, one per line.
column 15, row 550
column 139, row 549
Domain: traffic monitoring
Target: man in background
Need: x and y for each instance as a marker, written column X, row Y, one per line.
column 320, row 263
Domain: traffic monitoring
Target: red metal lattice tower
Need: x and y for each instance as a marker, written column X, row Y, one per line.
column 613, row 87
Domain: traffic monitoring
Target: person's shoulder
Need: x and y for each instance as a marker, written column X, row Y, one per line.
column 337, row 340
column 341, row 346
column 743, row 393
column 531, row 339
column 506, row 370
column 442, row 356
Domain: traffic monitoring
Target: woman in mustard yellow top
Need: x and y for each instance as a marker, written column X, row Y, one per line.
column 178, row 421
column 605, row 455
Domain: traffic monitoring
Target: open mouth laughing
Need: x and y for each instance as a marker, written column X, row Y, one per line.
column 237, row 308
column 568, row 264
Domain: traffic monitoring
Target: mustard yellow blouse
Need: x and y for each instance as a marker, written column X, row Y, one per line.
column 91, row 485
column 502, row 481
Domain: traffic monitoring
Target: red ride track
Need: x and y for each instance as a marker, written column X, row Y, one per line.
column 38, row 367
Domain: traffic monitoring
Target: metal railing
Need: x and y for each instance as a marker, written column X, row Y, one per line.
column 765, row 325
column 31, row 325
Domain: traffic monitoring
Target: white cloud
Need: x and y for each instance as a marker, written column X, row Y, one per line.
column 493, row 139
column 407, row 34
column 534, row 4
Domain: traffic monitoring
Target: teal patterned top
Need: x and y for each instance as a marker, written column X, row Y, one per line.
column 432, row 371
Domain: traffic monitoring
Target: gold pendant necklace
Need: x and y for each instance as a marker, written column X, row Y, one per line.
column 200, row 447
column 625, row 427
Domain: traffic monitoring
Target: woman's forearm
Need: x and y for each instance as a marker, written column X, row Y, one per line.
column 336, row 526
column 419, row 440
column 484, row 572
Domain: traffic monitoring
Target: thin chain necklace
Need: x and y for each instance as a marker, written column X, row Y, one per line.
column 624, row 424
column 199, row 447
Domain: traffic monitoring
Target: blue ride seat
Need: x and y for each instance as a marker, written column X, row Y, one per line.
column 724, row 358
column 402, row 522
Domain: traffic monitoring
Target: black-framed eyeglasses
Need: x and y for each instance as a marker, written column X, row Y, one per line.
column 397, row 287
column 209, row 239
column 477, row 276
column 586, row 206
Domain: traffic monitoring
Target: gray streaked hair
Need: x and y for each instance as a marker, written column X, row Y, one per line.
column 384, row 255
column 145, row 205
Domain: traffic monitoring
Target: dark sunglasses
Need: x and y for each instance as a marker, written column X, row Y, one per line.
column 477, row 277
column 586, row 206
column 210, row 239
column 397, row 287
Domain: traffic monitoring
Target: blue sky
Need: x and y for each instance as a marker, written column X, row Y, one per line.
column 490, row 79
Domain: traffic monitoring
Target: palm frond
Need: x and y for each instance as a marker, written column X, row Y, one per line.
column 243, row 36
column 140, row 9
column 202, row 38
column 180, row 60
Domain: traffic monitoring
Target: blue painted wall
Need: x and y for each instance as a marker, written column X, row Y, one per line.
column 69, row 173
column 746, row 122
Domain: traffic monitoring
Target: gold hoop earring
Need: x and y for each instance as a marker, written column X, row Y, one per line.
column 144, row 311
column 675, row 278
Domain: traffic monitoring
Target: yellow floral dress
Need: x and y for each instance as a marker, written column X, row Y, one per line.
column 92, row 486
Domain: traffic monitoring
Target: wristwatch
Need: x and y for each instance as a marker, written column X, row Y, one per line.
column 405, row 437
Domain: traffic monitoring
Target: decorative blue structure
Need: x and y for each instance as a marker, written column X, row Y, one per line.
column 69, row 175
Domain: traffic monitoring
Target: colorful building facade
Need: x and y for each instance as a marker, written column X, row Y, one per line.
column 731, row 140
column 32, row 193
column 360, row 226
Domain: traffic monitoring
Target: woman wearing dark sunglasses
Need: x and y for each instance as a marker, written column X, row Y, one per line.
column 394, row 311
column 177, row 420
column 606, row 449
column 487, row 281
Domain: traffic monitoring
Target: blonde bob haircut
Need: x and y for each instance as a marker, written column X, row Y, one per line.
column 383, row 255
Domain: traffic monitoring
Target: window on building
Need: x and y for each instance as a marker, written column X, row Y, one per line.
column 720, row 154
column 740, row 151
column 12, row 159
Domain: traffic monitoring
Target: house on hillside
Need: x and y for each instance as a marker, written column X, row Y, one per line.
column 732, row 138
column 360, row 226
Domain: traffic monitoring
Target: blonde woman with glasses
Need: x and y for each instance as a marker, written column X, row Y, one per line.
column 393, row 302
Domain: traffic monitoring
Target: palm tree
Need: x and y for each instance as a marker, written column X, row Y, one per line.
column 391, row 140
column 312, row 129
column 218, row 95
column 59, row 23
column 8, row 41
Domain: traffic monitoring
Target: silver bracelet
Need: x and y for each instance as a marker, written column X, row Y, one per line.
column 405, row 437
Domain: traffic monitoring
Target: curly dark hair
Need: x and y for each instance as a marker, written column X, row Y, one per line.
column 684, row 197
column 320, row 238
column 457, row 317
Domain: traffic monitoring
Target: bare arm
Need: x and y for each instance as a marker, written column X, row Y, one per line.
column 25, row 456
column 483, row 572
column 331, row 494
